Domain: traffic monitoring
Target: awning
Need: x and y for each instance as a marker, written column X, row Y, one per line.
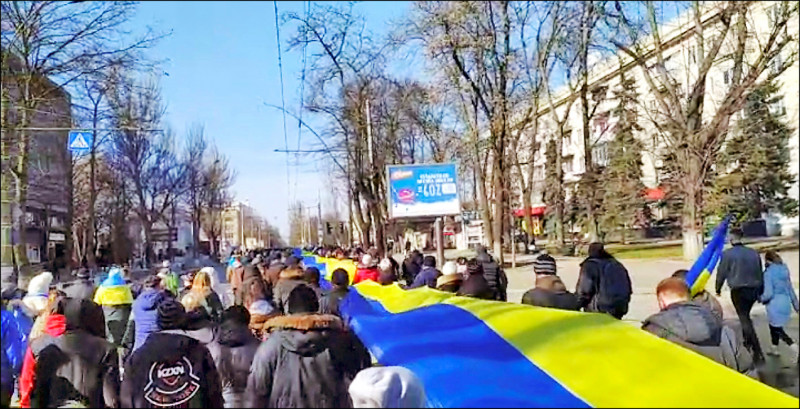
column 534, row 211
column 654, row 194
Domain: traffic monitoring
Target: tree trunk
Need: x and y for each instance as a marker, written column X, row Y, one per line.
column 692, row 224
column 148, row 241
column 526, row 204
column 499, row 192
column 21, row 194
column 560, row 186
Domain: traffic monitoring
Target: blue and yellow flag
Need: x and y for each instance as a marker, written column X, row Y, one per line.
column 476, row 353
column 701, row 270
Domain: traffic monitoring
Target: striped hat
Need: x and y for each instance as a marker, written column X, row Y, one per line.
column 545, row 264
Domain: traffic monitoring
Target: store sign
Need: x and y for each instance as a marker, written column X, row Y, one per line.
column 423, row 190
column 59, row 237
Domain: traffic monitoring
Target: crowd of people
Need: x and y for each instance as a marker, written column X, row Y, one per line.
column 279, row 340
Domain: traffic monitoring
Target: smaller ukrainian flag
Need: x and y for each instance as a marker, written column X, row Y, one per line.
column 701, row 270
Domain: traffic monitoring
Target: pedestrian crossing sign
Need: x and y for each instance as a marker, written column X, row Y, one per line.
column 79, row 141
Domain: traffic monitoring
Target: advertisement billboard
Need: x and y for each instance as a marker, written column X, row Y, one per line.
column 423, row 190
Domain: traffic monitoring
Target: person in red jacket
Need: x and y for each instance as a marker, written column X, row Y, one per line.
column 55, row 325
column 367, row 270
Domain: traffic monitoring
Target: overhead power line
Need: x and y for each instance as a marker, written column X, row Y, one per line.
column 283, row 100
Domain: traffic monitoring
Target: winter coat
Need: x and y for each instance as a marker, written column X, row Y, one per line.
column 741, row 267
column 427, row 276
column 15, row 328
column 210, row 302
column 604, row 286
column 696, row 327
column 171, row 370
column 705, row 298
column 476, row 286
column 251, row 273
column 80, row 288
column 144, row 317
column 55, row 325
column 289, row 279
column 304, row 363
column 116, row 298
column 76, row 366
column 779, row 295
column 494, row 275
column 366, row 273
column 234, row 278
column 411, row 268
column 237, row 348
column 330, row 301
column 550, row 292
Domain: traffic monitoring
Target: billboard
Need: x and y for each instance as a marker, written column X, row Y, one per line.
column 423, row 190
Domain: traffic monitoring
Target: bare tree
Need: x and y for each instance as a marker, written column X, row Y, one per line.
column 213, row 195
column 194, row 155
column 60, row 42
column 722, row 31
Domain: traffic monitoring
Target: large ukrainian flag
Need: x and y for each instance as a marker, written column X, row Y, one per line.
column 701, row 270
column 476, row 353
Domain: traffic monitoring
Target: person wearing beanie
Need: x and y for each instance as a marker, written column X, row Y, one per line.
column 78, row 366
column 292, row 276
column 549, row 291
column 82, row 287
column 38, row 289
column 450, row 280
column 307, row 359
column 237, row 348
column 367, row 270
column 475, row 285
column 114, row 295
column 170, row 281
column 171, row 369
column 428, row 275
column 387, row 387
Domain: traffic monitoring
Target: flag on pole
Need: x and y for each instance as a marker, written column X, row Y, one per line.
column 701, row 270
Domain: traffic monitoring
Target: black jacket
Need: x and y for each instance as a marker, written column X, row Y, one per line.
column 604, row 286
column 171, row 370
column 551, row 292
column 237, row 348
column 494, row 275
column 329, row 302
column 82, row 288
column 287, row 281
column 742, row 267
column 305, row 363
column 77, row 366
column 477, row 287
column 411, row 267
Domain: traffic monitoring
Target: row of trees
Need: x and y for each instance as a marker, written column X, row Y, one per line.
column 506, row 81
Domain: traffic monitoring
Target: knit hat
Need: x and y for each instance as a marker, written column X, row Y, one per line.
column 385, row 265
column 387, row 387
column 302, row 299
column 449, row 268
column 38, row 289
column 171, row 314
column 367, row 261
column 544, row 264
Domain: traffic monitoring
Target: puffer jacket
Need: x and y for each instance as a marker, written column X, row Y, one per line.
column 494, row 275
column 55, row 325
column 778, row 295
column 741, row 267
column 289, row 279
column 305, row 363
column 237, row 348
column 171, row 370
column 550, row 292
column 77, row 366
column 687, row 324
column 144, row 317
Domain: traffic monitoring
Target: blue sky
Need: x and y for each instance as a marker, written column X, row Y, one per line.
column 223, row 66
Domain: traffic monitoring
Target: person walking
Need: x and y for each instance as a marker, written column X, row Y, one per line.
column 114, row 295
column 428, row 275
column 603, row 284
column 367, row 270
column 14, row 337
column 201, row 294
column 329, row 303
column 741, row 267
column 289, row 278
column 450, row 280
column 237, row 349
column 143, row 320
column 549, row 290
column 780, row 299
column 82, row 287
column 494, row 274
column 411, row 266
column 475, row 285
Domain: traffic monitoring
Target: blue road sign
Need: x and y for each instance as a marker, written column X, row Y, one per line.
column 423, row 190
column 79, row 141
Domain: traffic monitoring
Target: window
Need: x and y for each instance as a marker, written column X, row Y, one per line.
column 776, row 64
column 567, row 137
column 600, row 154
column 777, row 108
column 727, row 76
column 567, row 163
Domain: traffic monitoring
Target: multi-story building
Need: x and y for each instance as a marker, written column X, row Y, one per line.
column 47, row 210
column 679, row 45
column 243, row 227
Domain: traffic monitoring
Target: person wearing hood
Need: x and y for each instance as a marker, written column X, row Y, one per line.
column 603, row 284
column 237, row 348
column 77, row 366
column 450, row 280
column 387, row 387
column 696, row 327
column 201, row 295
column 35, row 302
column 82, row 287
column 494, row 274
column 171, row 369
column 780, row 299
column 251, row 273
column 702, row 297
column 114, row 295
column 475, row 285
column 367, row 270
column 428, row 275
column 289, row 278
column 329, row 303
column 14, row 331
column 312, row 277
column 143, row 320
column 549, row 290
column 53, row 324
column 307, row 359
column 259, row 308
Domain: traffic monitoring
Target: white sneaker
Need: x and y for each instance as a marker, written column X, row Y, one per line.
column 773, row 350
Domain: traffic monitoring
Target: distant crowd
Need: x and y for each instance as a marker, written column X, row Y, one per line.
column 275, row 338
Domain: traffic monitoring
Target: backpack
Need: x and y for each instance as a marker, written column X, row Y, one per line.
column 613, row 284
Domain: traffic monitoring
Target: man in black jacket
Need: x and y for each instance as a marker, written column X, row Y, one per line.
column 329, row 303
column 741, row 267
column 550, row 291
column 170, row 369
column 603, row 284
column 494, row 274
